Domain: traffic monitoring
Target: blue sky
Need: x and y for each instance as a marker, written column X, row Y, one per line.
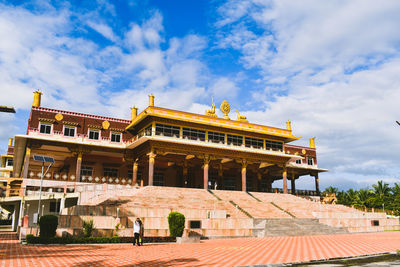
column 331, row 67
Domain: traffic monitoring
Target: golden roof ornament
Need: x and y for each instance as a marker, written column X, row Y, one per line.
column 59, row 116
column 240, row 117
column 105, row 125
column 211, row 112
column 225, row 108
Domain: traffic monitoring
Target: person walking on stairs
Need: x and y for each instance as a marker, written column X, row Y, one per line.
column 136, row 231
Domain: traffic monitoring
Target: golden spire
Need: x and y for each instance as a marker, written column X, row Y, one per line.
column 151, row 100
column 312, row 142
column 288, row 125
column 36, row 98
column 134, row 113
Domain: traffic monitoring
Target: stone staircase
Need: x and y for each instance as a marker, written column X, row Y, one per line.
column 293, row 227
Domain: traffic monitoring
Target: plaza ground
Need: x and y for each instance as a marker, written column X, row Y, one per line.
column 217, row 252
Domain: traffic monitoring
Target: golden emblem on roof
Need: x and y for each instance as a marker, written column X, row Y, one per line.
column 211, row 112
column 225, row 108
column 59, row 116
column 105, row 125
column 240, row 117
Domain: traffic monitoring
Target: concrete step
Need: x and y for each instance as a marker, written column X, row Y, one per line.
column 293, row 227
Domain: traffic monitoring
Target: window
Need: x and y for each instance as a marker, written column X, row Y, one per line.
column 194, row 134
column 195, row 224
column 86, row 171
column 158, row 179
column 235, row 140
column 115, row 137
column 69, row 131
column 110, row 172
column 298, row 161
column 276, row 146
column 45, row 128
column 310, row 161
column 148, row 131
column 216, row 137
column 94, row 134
column 55, row 206
column 254, row 142
column 167, row 130
column 9, row 162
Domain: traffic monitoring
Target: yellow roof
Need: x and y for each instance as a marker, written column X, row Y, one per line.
column 212, row 121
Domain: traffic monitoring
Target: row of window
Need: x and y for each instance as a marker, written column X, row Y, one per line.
column 70, row 132
column 216, row 137
column 310, row 161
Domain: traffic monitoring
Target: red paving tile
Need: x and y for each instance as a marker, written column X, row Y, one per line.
column 218, row 252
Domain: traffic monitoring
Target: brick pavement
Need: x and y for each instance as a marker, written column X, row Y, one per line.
column 218, row 252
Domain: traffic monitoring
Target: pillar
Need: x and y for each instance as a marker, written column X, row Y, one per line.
column 151, row 167
column 259, row 178
column 134, row 173
column 205, row 168
column 62, row 203
column 78, row 167
column 185, row 174
column 284, row 179
column 293, row 180
column 244, row 166
column 26, row 162
column 316, row 183
column 220, row 177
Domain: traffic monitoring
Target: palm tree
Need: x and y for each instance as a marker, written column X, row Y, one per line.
column 331, row 190
column 381, row 189
column 396, row 189
column 363, row 197
column 351, row 197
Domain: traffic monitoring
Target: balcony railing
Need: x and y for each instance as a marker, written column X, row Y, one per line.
column 67, row 177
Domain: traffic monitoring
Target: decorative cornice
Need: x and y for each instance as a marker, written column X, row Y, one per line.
column 47, row 120
column 70, row 123
column 92, row 126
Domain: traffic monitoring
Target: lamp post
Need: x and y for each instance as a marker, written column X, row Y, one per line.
column 43, row 159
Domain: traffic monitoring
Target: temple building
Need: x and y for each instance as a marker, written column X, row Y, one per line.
column 161, row 147
column 158, row 147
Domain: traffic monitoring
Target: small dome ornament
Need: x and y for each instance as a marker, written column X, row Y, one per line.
column 225, row 108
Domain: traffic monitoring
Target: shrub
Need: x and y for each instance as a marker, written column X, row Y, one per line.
column 48, row 226
column 31, row 239
column 88, row 228
column 176, row 222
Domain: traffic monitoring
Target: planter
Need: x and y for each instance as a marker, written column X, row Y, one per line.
column 190, row 239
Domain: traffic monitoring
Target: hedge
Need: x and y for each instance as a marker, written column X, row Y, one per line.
column 176, row 222
column 31, row 239
column 48, row 226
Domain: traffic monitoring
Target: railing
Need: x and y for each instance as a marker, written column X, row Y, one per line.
column 55, row 176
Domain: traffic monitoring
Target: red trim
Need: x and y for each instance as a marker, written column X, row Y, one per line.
column 305, row 147
column 81, row 114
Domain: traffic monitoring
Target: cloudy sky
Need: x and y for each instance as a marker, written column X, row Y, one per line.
column 331, row 67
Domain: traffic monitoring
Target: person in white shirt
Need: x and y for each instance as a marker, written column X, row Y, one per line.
column 136, row 231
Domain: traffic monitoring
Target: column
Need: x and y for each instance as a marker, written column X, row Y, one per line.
column 78, row 167
column 185, row 174
column 284, row 179
column 244, row 166
column 220, row 177
column 62, row 203
column 26, row 162
column 205, row 168
column 151, row 167
column 259, row 178
column 293, row 180
column 316, row 183
column 134, row 173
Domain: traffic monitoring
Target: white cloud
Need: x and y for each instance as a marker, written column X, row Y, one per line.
column 332, row 68
column 104, row 30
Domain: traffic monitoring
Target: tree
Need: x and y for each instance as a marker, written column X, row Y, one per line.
column 331, row 190
column 363, row 197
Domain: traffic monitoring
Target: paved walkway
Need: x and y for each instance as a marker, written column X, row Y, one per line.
column 221, row 252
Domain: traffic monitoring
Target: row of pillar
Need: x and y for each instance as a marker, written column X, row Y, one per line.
column 206, row 167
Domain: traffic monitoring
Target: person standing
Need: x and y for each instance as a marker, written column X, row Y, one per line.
column 136, row 232
column 141, row 232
